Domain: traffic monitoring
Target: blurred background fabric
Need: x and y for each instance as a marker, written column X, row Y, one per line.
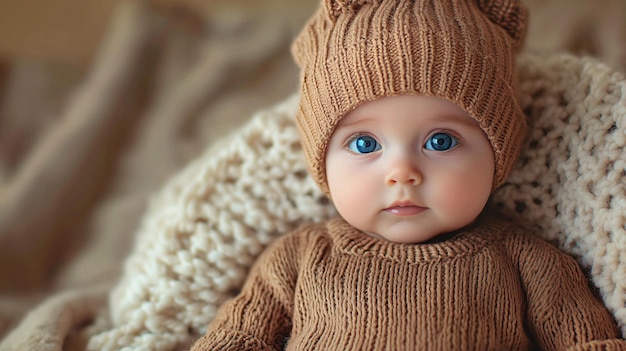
column 102, row 101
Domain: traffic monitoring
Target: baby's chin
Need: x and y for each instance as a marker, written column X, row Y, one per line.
column 405, row 233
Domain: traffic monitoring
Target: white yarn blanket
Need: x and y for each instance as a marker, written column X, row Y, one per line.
column 205, row 228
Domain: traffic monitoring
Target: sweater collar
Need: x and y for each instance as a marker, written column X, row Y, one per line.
column 465, row 242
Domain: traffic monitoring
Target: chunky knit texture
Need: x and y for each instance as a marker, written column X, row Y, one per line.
column 208, row 224
column 351, row 52
column 490, row 287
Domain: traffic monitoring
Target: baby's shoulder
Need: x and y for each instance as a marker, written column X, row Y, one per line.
column 305, row 235
column 516, row 237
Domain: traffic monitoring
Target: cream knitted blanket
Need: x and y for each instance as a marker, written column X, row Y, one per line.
column 209, row 223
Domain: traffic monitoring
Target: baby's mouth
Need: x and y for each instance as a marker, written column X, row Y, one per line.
column 404, row 208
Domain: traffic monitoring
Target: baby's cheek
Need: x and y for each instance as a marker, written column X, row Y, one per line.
column 464, row 196
column 352, row 196
column 349, row 196
column 456, row 196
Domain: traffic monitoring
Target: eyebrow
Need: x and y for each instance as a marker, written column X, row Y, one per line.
column 467, row 120
column 455, row 118
column 343, row 122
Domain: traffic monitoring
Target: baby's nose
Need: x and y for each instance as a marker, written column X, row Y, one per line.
column 404, row 172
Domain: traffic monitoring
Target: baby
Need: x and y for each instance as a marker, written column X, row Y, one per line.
column 409, row 120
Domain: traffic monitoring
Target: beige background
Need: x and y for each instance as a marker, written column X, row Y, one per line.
column 66, row 31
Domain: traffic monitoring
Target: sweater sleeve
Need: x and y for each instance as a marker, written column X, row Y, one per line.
column 259, row 317
column 562, row 311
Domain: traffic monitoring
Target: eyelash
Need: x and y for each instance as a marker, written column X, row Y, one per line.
column 454, row 134
column 354, row 136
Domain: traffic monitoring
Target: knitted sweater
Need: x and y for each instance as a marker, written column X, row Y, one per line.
column 491, row 286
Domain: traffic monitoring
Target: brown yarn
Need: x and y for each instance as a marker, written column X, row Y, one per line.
column 351, row 52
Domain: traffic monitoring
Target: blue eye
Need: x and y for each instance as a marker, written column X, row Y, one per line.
column 441, row 142
column 364, row 144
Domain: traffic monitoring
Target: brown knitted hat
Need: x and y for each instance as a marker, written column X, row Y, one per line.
column 354, row 51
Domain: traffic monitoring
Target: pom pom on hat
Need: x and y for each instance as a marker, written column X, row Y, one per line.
column 510, row 15
column 336, row 7
column 353, row 51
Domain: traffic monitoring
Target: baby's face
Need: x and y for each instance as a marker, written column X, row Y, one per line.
column 409, row 168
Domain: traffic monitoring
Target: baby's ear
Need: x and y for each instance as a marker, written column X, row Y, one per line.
column 336, row 7
column 511, row 15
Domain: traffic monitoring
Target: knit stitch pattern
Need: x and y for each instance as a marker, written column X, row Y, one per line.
column 208, row 224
